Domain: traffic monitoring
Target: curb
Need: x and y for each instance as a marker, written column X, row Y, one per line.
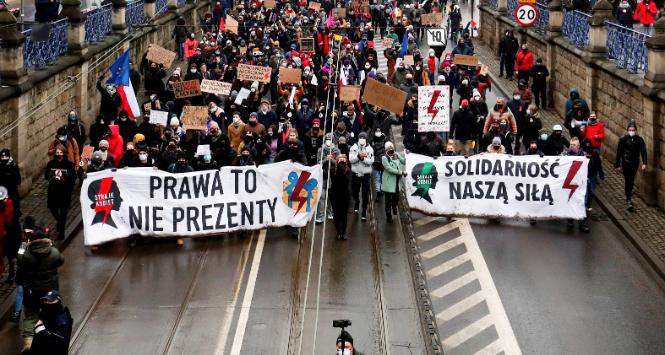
column 629, row 232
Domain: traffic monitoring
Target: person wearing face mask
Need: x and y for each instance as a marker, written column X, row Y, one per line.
column 595, row 171
column 206, row 162
column 98, row 130
column 361, row 157
column 574, row 95
column 97, row 163
column 75, row 129
column 348, row 73
column 575, row 151
column 631, row 149
column 500, row 112
column 507, row 52
column 293, row 152
column 595, row 131
column 254, row 126
column 399, row 76
column 61, row 175
column 532, row 124
column 190, row 46
column 110, row 99
column 154, row 80
column 327, row 157
column 393, row 169
column 462, row 129
column 409, row 85
column 245, row 157
column 524, row 63
column 624, row 14
column 193, row 73
column 106, row 155
column 266, row 116
column 144, row 158
column 10, row 178
column 496, row 147
column 518, row 108
column 53, row 330
column 465, row 89
column 339, row 194
column 69, row 143
column 130, row 158
column 313, row 142
column 181, row 164
column 236, row 131
column 556, row 143
column 128, row 127
column 645, row 13
column 304, row 117
column 116, row 143
column 378, row 140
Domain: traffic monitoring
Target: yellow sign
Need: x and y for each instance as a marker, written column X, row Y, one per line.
column 521, row 2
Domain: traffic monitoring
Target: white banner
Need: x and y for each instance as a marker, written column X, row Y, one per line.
column 434, row 108
column 498, row 185
column 117, row 204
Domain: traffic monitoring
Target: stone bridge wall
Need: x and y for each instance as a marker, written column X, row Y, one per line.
column 615, row 94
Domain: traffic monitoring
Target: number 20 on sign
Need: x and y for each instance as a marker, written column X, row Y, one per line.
column 526, row 15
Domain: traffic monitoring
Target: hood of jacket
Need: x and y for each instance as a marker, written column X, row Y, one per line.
column 40, row 248
column 115, row 130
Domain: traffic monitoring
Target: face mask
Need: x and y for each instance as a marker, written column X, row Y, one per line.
column 123, row 118
column 4, row 161
column 465, row 82
column 143, row 157
column 212, row 109
column 418, row 68
column 498, row 107
column 103, row 149
column 252, row 123
column 341, row 146
column 270, row 133
column 60, row 157
column 181, row 162
column 528, row 112
column 62, row 138
column 367, row 66
column 343, row 352
column 517, row 97
column 192, row 71
column 503, row 126
column 236, row 119
column 362, row 141
column 377, row 134
column 631, row 133
column 574, row 149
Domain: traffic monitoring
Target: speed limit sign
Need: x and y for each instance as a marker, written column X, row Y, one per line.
column 526, row 15
column 436, row 37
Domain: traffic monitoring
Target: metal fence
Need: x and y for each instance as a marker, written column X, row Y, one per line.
column 134, row 14
column 160, row 7
column 493, row 4
column 627, row 48
column 543, row 22
column 511, row 6
column 180, row 3
column 576, row 27
column 39, row 54
column 98, row 23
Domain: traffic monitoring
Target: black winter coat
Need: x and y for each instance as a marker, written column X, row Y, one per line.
column 630, row 150
column 38, row 270
column 462, row 125
column 10, row 177
column 509, row 47
column 54, row 339
column 61, row 176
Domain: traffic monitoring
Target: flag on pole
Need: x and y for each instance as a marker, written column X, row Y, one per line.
column 120, row 77
column 405, row 45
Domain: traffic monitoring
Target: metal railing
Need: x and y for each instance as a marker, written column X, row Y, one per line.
column 575, row 27
column 180, row 3
column 134, row 14
column 543, row 22
column 98, row 23
column 627, row 48
column 493, row 4
column 160, row 7
column 511, row 6
column 39, row 54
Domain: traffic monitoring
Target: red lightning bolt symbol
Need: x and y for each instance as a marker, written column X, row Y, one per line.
column 571, row 174
column 296, row 191
column 431, row 109
column 103, row 190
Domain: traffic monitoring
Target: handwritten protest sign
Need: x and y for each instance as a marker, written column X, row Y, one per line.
column 86, row 155
column 360, row 6
column 307, row 44
column 315, row 5
column 339, row 12
column 253, row 73
column 408, row 60
column 231, row 24
column 160, row 55
column 384, row 96
column 187, row 88
column 290, row 75
column 349, row 93
column 159, row 117
column 434, row 19
column 469, row 60
column 194, row 117
column 202, row 149
column 242, row 50
column 215, row 87
column 269, row 4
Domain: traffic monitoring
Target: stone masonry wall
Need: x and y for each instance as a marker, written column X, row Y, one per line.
column 616, row 98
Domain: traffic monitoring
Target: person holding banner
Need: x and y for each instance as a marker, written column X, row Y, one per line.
column 575, row 150
column 393, row 169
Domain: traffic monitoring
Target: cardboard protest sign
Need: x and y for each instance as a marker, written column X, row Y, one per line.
column 242, row 50
column 434, row 19
column 231, row 24
column 86, row 155
column 434, row 108
column 408, row 60
column 290, row 75
column 187, row 88
column 315, row 5
column 202, row 149
column 215, row 87
column 269, row 4
column 160, row 55
column 194, row 117
column 254, row 73
column 349, row 93
column 360, row 6
column 307, row 44
column 468, row 60
column 339, row 12
column 384, row 96
column 159, row 117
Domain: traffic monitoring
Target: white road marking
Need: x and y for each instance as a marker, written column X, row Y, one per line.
column 491, row 349
column 454, row 285
column 467, row 333
column 425, row 220
column 441, row 248
column 439, row 231
column 249, row 294
column 460, row 307
column 448, row 265
column 228, row 316
column 501, row 321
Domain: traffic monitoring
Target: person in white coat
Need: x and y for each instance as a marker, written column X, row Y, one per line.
column 361, row 156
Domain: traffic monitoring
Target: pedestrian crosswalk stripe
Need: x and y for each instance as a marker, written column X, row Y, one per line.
column 437, row 232
column 441, row 248
column 448, row 265
column 425, row 220
column 456, row 284
column 491, row 349
column 460, row 307
column 467, row 333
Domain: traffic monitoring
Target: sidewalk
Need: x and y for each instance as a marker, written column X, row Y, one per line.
column 645, row 228
column 34, row 204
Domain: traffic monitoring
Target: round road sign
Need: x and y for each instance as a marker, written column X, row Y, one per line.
column 526, row 15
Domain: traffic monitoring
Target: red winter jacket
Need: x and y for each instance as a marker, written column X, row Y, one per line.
column 324, row 43
column 524, row 60
column 6, row 219
column 190, row 47
column 595, row 133
column 116, row 143
column 645, row 13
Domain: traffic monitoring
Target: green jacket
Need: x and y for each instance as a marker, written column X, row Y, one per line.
column 392, row 170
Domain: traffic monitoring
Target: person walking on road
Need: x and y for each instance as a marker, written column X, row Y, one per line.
column 631, row 149
column 575, row 150
column 53, row 330
column 361, row 156
column 392, row 170
column 38, row 273
column 524, row 63
column 507, row 51
column 339, row 195
column 61, row 176
column 539, row 73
